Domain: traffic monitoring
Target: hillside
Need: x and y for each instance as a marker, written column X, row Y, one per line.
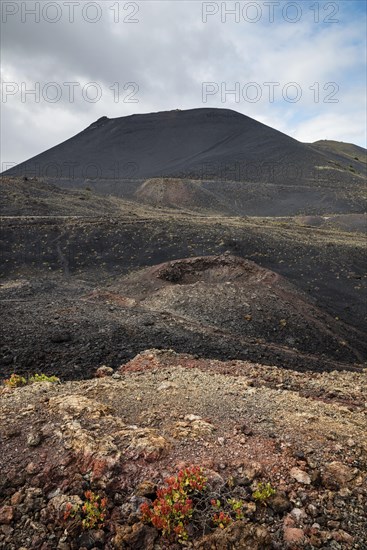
column 342, row 151
column 33, row 197
column 119, row 437
column 181, row 193
column 215, row 160
column 199, row 143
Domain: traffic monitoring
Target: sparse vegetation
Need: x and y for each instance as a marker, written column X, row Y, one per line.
column 188, row 502
column 95, row 494
column 267, row 273
column 263, row 492
column 222, row 520
column 173, row 507
column 228, row 510
column 16, row 381
column 90, row 515
column 43, row 378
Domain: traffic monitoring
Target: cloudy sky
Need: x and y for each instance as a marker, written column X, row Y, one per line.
column 296, row 66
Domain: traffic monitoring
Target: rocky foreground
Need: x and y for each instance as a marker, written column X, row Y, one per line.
column 78, row 459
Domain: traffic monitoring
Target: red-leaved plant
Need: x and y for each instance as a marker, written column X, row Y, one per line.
column 173, row 508
column 91, row 514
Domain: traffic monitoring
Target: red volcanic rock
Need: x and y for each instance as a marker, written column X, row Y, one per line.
column 103, row 371
column 293, row 535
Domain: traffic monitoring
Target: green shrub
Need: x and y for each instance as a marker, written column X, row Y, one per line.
column 173, row 507
column 15, row 381
column 91, row 514
column 186, row 500
column 263, row 492
column 43, row 378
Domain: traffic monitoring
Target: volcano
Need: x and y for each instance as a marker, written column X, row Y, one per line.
column 201, row 144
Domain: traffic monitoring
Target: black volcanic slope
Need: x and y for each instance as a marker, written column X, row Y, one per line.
column 203, row 144
column 218, row 306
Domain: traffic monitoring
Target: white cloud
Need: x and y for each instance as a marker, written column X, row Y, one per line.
column 337, row 127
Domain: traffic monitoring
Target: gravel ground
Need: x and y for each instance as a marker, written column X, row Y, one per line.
column 161, row 412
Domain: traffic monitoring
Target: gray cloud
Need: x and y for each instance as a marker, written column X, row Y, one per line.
column 169, row 53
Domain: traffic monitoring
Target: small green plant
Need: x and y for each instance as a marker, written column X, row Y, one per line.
column 263, row 492
column 237, row 507
column 15, row 381
column 187, row 504
column 173, row 508
column 70, row 511
column 92, row 514
column 43, row 378
column 231, row 510
column 222, row 520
